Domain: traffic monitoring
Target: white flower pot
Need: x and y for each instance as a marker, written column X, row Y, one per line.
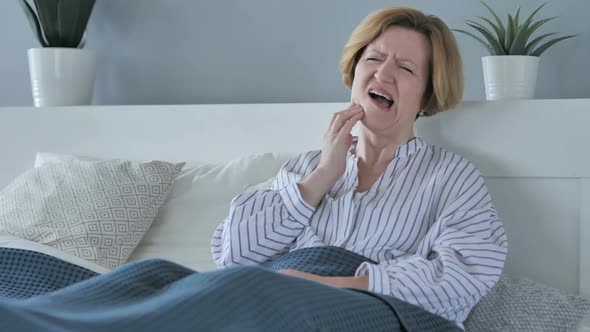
column 510, row 76
column 62, row 76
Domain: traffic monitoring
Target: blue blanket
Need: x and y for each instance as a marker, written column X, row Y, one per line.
column 42, row 293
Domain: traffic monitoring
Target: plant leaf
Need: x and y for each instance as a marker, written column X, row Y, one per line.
column 73, row 18
column 47, row 10
column 498, row 50
column 522, row 33
column 499, row 33
column 548, row 44
column 498, row 21
column 530, row 18
column 538, row 24
column 83, row 42
column 535, row 41
column 33, row 21
column 519, row 44
column 486, row 45
column 516, row 18
column 487, row 31
column 509, row 34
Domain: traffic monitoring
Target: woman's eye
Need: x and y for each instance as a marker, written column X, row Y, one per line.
column 372, row 59
column 407, row 69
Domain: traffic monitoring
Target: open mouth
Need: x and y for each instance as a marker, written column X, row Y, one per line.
column 381, row 99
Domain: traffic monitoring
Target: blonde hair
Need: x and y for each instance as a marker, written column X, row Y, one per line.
column 444, row 89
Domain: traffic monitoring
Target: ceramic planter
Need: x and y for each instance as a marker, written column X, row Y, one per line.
column 510, row 76
column 62, row 76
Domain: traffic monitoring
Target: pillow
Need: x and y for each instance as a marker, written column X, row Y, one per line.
column 262, row 185
column 525, row 305
column 11, row 241
column 98, row 211
column 197, row 203
column 42, row 158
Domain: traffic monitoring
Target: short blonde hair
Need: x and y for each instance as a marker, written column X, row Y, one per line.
column 444, row 89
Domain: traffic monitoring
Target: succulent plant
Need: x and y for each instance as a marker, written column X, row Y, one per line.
column 59, row 23
column 513, row 37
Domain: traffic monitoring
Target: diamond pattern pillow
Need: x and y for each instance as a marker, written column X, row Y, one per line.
column 98, row 211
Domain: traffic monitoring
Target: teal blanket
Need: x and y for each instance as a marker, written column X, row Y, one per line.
column 42, row 293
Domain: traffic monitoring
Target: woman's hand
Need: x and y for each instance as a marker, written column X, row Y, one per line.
column 332, row 165
column 300, row 274
column 361, row 282
column 338, row 141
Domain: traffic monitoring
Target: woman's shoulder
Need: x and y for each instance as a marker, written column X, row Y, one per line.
column 450, row 159
column 302, row 162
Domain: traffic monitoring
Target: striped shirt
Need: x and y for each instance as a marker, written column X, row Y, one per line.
column 428, row 221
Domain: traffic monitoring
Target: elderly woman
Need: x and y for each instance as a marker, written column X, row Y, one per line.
column 421, row 215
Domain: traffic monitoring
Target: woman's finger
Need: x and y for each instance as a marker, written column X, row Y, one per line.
column 349, row 124
column 342, row 117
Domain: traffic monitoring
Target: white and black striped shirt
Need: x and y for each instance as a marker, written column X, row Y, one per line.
column 428, row 221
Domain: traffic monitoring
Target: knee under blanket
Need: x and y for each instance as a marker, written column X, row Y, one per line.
column 42, row 293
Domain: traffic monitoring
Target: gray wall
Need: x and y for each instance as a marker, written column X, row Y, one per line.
column 257, row 51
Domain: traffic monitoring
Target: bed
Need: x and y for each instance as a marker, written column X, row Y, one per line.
column 532, row 153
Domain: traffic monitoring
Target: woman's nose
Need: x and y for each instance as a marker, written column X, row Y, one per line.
column 385, row 73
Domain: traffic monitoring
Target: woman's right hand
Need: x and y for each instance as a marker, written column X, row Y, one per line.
column 332, row 165
column 338, row 141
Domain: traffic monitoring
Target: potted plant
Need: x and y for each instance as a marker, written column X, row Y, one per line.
column 62, row 73
column 510, row 72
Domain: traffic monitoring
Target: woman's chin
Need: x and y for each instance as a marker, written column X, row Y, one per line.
column 371, row 123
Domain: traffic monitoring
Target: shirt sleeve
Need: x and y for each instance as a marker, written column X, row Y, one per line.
column 457, row 262
column 264, row 223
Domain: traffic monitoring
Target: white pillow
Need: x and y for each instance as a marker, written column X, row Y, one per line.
column 196, row 204
column 43, row 158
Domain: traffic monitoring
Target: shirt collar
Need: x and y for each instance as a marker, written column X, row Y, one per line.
column 409, row 148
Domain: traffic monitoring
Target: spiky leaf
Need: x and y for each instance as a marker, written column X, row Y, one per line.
column 530, row 18
column 538, row 24
column 73, row 19
column 499, row 32
column 516, row 18
column 520, row 39
column 548, row 44
column 509, row 33
column 536, row 41
column 498, row 20
column 498, row 50
column 486, row 45
column 33, row 21
column 48, row 17
column 59, row 23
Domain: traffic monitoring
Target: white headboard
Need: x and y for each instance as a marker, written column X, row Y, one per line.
column 533, row 154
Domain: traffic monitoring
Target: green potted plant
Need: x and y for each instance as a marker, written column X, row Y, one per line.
column 62, row 73
column 510, row 72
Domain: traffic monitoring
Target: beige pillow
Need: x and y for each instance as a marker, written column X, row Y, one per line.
column 98, row 211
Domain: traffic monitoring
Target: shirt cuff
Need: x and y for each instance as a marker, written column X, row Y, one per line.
column 296, row 206
column 378, row 278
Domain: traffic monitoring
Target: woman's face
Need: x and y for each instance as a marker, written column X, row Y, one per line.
column 390, row 79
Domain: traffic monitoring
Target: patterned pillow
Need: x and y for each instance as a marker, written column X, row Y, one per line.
column 524, row 305
column 98, row 211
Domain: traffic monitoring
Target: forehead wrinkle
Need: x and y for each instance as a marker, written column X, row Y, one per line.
column 373, row 50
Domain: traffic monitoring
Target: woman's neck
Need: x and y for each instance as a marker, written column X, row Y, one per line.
column 376, row 151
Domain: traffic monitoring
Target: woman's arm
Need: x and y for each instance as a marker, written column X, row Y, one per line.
column 458, row 261
column 264, row 223
column 360, row 282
